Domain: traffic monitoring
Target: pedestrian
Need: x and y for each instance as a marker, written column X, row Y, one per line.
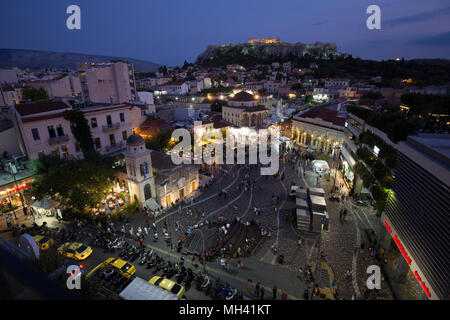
column 301, row 272
column 274, row 291
column 300, row 242
column 222, row 263
column 348, row 275
column 9, row 220
column 156, row 237
column 257, row 289
column 58, row 215
column 239, row 263
column 283, row 295
column 262, row 290
column 141, row 242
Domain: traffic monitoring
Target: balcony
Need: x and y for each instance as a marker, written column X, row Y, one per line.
column 115, row 147
column 59, row 139
column 110, row 127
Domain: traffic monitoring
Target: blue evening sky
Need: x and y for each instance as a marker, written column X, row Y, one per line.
column 170, row 31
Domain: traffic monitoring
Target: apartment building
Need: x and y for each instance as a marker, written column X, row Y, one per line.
column 111, row 83
column 9, row 76
column 337, row 83
column 176, row 88
column 64, row 86
column 8, row 95
column 43, row 129
column 273, row 86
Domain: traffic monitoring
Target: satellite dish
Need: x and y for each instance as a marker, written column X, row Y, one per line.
column 29, row 245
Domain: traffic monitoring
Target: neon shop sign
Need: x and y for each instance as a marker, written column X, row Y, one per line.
column 407, row 258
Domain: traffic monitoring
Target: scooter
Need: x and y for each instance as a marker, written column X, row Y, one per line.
column 334, row 198
column 216, row 290
column 146, row 256
column 206, row 285
column 232, row 293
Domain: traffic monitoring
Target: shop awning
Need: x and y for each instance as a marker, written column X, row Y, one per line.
column 347, row 156
column 45, row 203
column 151, row 204
column 320, row 165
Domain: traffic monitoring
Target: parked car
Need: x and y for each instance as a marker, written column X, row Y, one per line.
column 75, row 250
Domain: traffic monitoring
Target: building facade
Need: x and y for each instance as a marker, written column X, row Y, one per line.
column 107, row 82
column 43, row 129
column 264, row 40
column 416, row 216
column 320, row 128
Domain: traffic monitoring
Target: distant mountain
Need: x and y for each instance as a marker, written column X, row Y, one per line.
column 35, row 60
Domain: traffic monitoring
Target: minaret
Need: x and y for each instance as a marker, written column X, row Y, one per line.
column 138, row 161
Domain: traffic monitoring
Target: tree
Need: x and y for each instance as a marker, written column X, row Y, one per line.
column 222, row 77
column 160, row 141
column 296, row 86
column 216, row 105
column 35, row 94
column 81, row 130
column 163, row 70
column 309, row 99
column 185, row 65
column 74, row 183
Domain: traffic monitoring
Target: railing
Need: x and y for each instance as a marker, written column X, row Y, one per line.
column 59, row 139
column 111, row 126
column 114, row 147
column 353, row 130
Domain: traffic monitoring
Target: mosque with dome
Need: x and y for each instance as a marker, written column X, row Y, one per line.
column 243, row 111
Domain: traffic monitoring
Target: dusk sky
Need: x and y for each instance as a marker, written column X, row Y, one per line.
column 170, row 31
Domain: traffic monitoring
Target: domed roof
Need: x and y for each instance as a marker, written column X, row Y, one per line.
column 243, row 96
column 135, row 140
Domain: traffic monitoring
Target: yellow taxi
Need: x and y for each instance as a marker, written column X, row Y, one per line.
column 125, row 268
column 75, row 250
column 168, row 285
column 43, row 242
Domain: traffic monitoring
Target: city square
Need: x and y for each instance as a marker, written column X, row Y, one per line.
column 224, row 159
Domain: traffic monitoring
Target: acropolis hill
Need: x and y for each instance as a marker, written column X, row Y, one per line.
column 259, row 50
